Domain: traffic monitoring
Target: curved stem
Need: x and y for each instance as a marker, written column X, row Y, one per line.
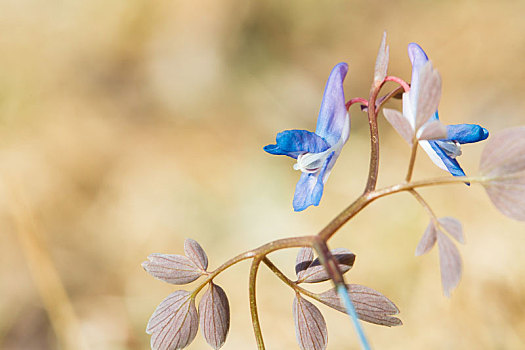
column 361, row 100
column 400, row 81
column 243, row 256
column 293, row 242
column 253, row 303
column 318, row 241
column 384, row 99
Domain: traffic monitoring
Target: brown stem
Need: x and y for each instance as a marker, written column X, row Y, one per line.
column 294, row 285
column 241, row 257
column 373, row 111
column 319, row 243
column 412, row 161
column 253, row 303
column 293, row 242
column 423, row 183
column 374, row 140
column 387, row 97
column 329, row 262
column 343, row 217
column 367, row 198
column 288, row 281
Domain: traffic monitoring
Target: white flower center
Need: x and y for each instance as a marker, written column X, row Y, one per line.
column 312, row 163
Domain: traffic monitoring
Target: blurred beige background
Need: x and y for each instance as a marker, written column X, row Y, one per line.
column 127, row 126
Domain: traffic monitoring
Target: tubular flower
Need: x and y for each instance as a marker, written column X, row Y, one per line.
column 317, row 152
column 442, row 152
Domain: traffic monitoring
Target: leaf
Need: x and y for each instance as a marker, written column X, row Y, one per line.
column 310, row 327
column 214, row 313
column 454, row 227
column 174, row 323
column 400, row 123
column 316, row 272
column 172, row 268
column 429, row 94
column 427, row 240
column 305, row 257
column 503, row 164
column 433, row 130
column 370, row 305
column 449, row 262
column 381, row 61
column 195, row 253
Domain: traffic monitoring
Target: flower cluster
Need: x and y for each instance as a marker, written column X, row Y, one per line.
column 443, row 152
column 175, row 322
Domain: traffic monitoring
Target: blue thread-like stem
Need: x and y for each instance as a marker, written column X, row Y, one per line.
column 345, row 296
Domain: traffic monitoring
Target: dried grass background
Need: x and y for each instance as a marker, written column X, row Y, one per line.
column 127, row 126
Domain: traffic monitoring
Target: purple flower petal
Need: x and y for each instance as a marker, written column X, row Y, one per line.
column 309, row 189
column 418, row 58
column 331, row 121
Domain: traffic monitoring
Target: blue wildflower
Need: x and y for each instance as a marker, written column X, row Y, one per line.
column 442, row 152
column 317, row 152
